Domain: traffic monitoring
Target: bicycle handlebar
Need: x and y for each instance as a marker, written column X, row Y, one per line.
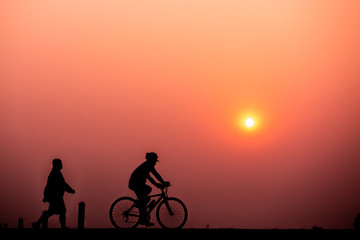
column 164, row 186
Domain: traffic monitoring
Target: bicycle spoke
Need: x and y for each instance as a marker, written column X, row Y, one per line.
column 172, row 213
column 124, row 213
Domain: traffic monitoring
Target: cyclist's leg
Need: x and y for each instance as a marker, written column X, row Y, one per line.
column 147, row 191
column 142, row 194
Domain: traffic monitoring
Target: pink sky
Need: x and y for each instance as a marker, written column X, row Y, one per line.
column 100, row 83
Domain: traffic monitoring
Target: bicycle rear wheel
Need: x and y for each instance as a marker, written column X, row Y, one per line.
column 124, row 213
column 171, row 213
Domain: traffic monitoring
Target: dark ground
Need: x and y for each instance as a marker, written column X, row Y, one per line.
column 177, row 234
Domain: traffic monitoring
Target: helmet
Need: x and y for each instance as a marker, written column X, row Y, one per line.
column 151, row 156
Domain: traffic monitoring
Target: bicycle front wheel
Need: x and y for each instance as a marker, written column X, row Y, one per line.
column 171, row 213
column 124, row 213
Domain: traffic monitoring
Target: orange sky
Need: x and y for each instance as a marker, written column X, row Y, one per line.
column 100, row 83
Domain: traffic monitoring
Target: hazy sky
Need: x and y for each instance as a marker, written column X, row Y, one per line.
column 100, row 83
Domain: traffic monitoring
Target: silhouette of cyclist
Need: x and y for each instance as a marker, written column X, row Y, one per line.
column 54, row 193
column 137, row 183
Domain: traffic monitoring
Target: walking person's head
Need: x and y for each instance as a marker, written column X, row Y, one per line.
column 151, row 156
column 57, row 164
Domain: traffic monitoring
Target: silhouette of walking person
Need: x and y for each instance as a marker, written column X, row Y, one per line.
column 137, row 183
column 54, row 194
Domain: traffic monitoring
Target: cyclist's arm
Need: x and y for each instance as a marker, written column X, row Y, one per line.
column 152, row 181
column 157, row 175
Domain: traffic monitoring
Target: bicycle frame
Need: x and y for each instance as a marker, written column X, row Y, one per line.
column 162, row 195
column 171, row 212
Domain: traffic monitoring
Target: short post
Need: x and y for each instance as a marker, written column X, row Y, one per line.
column 20, row 223
column 81, row 215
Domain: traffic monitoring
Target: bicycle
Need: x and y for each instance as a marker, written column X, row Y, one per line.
column 170, row 213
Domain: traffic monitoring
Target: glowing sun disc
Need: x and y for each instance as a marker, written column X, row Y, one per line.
column 249, row 122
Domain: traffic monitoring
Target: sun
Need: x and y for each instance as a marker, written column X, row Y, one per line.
column 249, row 122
